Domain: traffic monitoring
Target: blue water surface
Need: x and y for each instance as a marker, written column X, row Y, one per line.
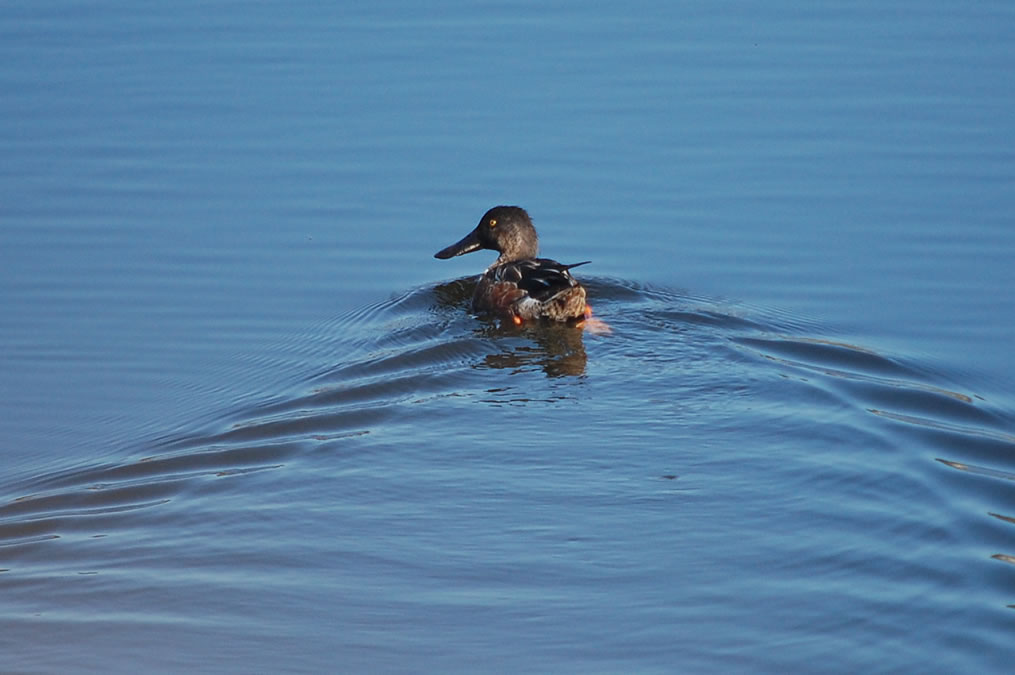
column 248, row 423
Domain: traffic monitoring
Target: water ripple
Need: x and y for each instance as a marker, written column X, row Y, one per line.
column 726, row 396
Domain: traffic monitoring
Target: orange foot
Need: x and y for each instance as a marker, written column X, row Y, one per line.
column 594, row 325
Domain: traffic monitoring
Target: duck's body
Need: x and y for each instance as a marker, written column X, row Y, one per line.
column 532, row 288
column 519, row 285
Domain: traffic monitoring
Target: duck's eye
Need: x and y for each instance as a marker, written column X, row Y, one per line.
column 493, row 223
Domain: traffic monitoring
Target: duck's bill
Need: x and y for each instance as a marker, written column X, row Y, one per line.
column 468, row 244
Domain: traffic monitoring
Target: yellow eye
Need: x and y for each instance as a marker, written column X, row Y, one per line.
column 493, row 223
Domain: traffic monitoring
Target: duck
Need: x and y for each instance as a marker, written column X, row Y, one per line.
column 519, row 286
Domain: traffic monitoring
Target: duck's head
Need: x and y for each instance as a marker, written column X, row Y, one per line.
column 506, row 229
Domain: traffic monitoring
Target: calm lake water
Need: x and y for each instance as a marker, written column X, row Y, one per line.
column 248, row 423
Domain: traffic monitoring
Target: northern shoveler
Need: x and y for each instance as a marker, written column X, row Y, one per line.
column 518, row 285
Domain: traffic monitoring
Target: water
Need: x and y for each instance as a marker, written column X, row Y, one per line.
column 249, row 424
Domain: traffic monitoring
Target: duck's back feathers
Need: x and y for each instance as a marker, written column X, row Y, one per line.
column 541, row 278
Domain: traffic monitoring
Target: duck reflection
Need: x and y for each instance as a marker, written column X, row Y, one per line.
column 558, row 349
column 555, row 347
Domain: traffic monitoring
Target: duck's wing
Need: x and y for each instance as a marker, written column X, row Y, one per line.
column 541, row 278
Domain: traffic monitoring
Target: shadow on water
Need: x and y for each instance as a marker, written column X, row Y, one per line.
column 408, row 368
